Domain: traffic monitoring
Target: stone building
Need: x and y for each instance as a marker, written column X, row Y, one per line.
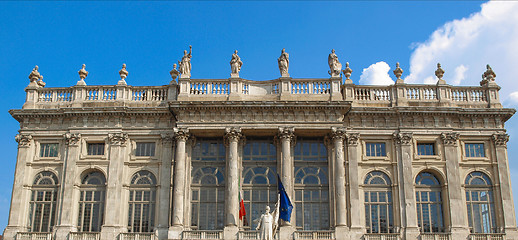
column 172, row 162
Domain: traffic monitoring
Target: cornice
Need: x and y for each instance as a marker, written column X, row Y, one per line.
column 19, row 114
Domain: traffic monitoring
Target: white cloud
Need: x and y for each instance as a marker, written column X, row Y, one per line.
column 376, row 74
column 465, row 46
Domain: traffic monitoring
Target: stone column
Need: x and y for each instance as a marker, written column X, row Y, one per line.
column 406, row 188
column 68, row 204
column 338, row 136
column 113, row 220
column 165, row 185
column 353, row 156
column 286, row 136
column 181, row 135
column 458, row 223
column 19, row 203
column 504, row 178
column 232, row 137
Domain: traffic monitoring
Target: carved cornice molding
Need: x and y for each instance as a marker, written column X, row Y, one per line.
column 72, row 139
column 403, row 138
column 353, row 139
column 232, row 134
column 500, row 139
column 23, row 140
column 450, row 139
column 181, row 134
column 118, row 139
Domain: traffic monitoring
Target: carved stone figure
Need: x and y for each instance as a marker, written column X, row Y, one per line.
column 82, row 75
column 439, row 72
column 265, row 225
column 123, row 73
column 334, row 65
column 488, row 76
column 235, row 65
column 347, row 73
column 36, row 77
column 284, row 63
column 174, row 74
column 185, row 64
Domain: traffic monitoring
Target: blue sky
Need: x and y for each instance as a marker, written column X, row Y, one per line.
column 150, row 36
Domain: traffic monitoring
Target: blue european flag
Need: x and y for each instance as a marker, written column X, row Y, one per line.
column 285, row 206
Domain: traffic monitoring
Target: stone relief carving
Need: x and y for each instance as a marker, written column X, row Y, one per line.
column 235, row 65
column 185, row 64
column 334, row 65
column 284, row 63
column 450, row 138
column 72, row 139
column 402, row 138
column 181, row 134
column 23, row 140
column 500, row 139
column 353, row 139
column 118, row 138
column 36, row 77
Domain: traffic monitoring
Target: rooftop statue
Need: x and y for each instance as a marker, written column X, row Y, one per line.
column 36, row 77
column 334, row 65
column 82, row 75
column 347, row 72
column 185, row 64
column 123, row 73
column 174, row 74
column 284, row 63
column 439, row 72
column 235, row 65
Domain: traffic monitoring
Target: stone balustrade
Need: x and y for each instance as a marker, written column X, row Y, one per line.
column 435, row 236
column 283, row 89
column 33, row 236
column 487, row 236
column 382, row 236
column 84, row 236
column 200, row 234
column 138, row 236
column 321, row 235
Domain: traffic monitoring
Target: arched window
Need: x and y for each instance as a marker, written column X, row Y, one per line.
column 479, row 200
column 429, row 203
column 142, row 198
column 379, row 214
column 208, row 184
column 259, row 178
column 91, row 202
column 42, row 213
column 311, row 185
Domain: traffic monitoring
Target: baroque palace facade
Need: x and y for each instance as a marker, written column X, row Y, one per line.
column 173, row 162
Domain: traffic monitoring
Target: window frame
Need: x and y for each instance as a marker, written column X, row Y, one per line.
column 153, row 202
column 491, row 203
column 37, row 155
column 89, row 140
column 437, row 156
column 135, row 142
column 437, row 188
column 388, row 189
column 34, row 203
column 96, row 189
column 485, row 148
column 388, row 149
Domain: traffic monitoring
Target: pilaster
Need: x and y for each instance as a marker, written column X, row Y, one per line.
column 504, row 178
column 403, row 142
column 113, row 221
column 17, row 214
column 232, row 137
column 458, row 227
column 68, row 203
column 338, row 136
column 353, row 157
column 286, row 136
column 165, row 185
column 181, row 136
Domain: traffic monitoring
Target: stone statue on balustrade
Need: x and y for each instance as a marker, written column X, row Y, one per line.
column 185, row 64
column 268, row 224
column 235, row 65
column 334, row 65
column 36, row 77
column 284, row 63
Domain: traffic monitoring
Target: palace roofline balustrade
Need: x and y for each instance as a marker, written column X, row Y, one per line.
column 282, row 89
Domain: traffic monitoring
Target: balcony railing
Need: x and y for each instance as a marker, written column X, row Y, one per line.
column 382, row 236
column 435, row 236
column 137, row 236
column 253, row 235
column 322, row 235
column 212, row 235
column 33, row 236
column 487, row 236
column 84, row 236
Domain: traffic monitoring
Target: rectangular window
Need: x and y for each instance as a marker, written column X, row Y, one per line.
column 95, row 148
column 146, row 149
column 425, row 149
column 49, row 149
column 375, row 150
column 475, row 150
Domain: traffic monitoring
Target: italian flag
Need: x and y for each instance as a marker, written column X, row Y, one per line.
column 242, row 210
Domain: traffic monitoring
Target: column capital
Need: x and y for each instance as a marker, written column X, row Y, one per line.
column 167, row 138
column 72, row 139
column 403, row 138
column 232, row 134
column 353, row 138
column 500, row 139
column 118, row 139
column 337, row 134
column 286, row 133
column 450, row 138
column 181, row 134
column 23, row 140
